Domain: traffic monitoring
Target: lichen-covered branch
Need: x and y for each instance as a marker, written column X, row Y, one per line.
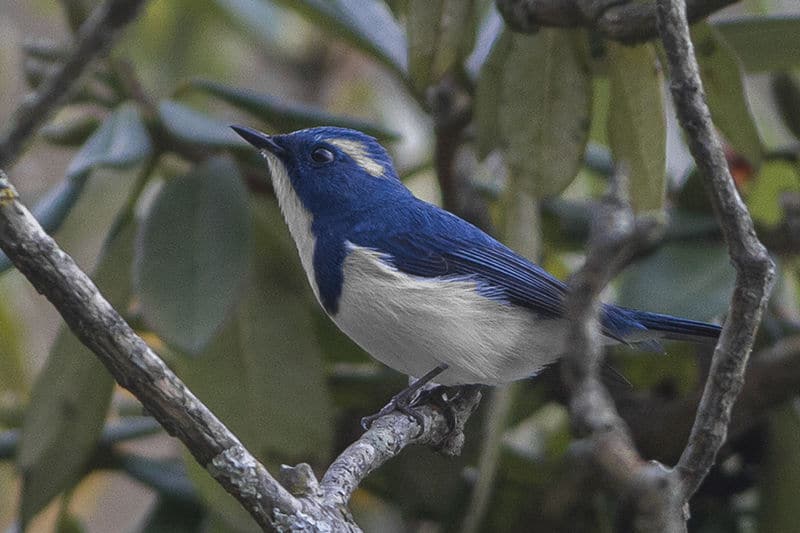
column 754, row 269
column 388, row 436
column 94, row 38
column 620, row 20
column 134, row 365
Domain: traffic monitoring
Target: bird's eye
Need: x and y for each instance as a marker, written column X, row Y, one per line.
column 322, row 155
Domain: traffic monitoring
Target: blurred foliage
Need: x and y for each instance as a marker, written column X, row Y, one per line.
column 192, row 253
column 70, row 397
column 636, row 129
column 200, row 261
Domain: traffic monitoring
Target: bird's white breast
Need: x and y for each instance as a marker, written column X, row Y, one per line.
column 413, row 324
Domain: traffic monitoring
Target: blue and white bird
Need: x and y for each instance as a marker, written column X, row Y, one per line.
column 421, row 290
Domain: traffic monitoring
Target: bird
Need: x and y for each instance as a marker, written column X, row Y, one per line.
column 418, row 288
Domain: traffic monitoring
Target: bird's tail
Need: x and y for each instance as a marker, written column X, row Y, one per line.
column 671, row 327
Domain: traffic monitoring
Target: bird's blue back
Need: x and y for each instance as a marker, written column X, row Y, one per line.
column 350, row 204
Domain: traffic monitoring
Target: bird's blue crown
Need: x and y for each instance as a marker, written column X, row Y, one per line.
column 335, row 171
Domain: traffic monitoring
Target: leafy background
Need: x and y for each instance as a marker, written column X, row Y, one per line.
column 141, row 180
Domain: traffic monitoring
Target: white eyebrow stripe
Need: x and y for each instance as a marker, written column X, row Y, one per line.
column 358, row 153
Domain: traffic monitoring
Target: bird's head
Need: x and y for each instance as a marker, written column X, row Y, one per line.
column 329, row 169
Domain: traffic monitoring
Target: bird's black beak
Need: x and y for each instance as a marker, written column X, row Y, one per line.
column 262, row 141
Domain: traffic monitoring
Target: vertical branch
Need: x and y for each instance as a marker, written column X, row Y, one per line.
column 451, row 108
column 754, row 269
column 607, row 444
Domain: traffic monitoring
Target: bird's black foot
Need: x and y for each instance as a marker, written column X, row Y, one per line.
column 444, row 398
column 400, row 402
column 405, row 400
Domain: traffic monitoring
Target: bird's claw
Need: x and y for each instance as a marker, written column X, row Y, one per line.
column 402, row 403
column 406, row 399
column 439, row 396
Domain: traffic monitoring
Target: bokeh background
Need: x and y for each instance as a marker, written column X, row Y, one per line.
column 141, row 181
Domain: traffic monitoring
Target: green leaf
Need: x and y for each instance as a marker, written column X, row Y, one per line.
column 76, row 11
column 424, row 17
column 196, row 127
column 120, row 142
column 166, row 476
column 69, row 523
column 439, row 37
column 55, row 205
column 276, row 328
column 71, row 130
column 651, row 283
column 487, row 95
column 636, row 126
column 487, row 30
column 786, row 88
column 285, row 116
column 779, row 478
column 129, row 428
column 367, row 24
column 544, row 110
column 775, row 179
column 764, row 43
column 170, row 516
column 722, row 79
column 191, row 254
column 255, row 16
column 12, row 354
column 70, row 398
column 264, row 375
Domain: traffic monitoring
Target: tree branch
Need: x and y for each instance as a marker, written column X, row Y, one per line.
column 620, row 20
column 451, row 108
column 607, row 444
column 136, row 367
column 388, row 436
column 754, row 269
column 94, row 37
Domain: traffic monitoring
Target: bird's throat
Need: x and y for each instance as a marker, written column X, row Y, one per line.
column 297, row 217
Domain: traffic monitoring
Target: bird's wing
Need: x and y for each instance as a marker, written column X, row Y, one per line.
column 499, row 273
column 444, row 246
column 503, row 275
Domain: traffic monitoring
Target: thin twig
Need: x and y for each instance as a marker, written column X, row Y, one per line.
column 754, row 269
column 94, row 37
column 621, row 20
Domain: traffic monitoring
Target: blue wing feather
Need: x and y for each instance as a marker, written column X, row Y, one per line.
column 442, row 245
column 423, row 240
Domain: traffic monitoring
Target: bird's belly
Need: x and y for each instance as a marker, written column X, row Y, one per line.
column 414, row 324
